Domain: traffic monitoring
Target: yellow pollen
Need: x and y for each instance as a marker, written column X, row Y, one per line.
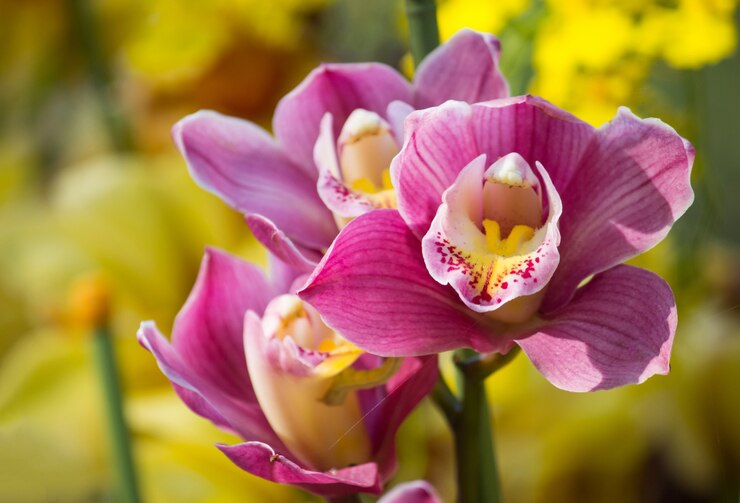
column 366, row 186
column 327, row 346
column 507, row 247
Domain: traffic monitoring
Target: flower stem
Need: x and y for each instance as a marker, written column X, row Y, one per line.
column 477, row 471
column 423, row 29
column 350, row 498
column 120, row 444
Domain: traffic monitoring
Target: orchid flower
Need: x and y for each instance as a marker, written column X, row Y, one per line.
column 513, row 220
column 296, row 192
column 315, row 411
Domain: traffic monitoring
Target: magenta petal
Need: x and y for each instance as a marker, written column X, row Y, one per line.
column 261, row 460
column 373, row 288
column 337, row 89
column 438, row 145
column 535, row 129
column 208, row 331
column 465, row 68
column 419, row 491
column 281, row 245
column 628, row 190
column 242, row 164
column 617, row 330
column 239, row 415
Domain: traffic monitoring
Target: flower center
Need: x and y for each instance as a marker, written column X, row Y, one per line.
column 366, row 148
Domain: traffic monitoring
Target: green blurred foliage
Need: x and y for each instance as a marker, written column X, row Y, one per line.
column 75, row 199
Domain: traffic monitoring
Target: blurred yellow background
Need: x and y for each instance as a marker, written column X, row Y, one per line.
column 91, row 183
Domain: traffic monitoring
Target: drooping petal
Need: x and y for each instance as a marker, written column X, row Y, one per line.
column 244, row 166
column 338, row 89
column 386, row 408
column 240, row 415
column 628, row 190
column 465, row 68
column 261, row 460
column 208, row 330
column 617, row 330
column 456, row 251
column 438, row 145
column 282, row 246
column 419, row 491
column 373, row 288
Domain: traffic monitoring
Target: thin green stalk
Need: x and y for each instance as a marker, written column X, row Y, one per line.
column 423, row 29
column 477, row 471
column 83, row 21
column 119, row 437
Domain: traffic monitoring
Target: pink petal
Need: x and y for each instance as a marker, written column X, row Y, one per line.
column 628, row 190
column 617, row 330
column 237, row 414
column 261, row 460
column 337, row 89
column 208, row 330
column 419, row 491
column 373, row 288
column 441, row 141
column 438, row 145
column 243, row 165
column 465, row 68
column 275, row 240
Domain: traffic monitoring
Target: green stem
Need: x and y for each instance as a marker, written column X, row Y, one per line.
column 423, row 29
column 477, row 470
column 83, row 22
column 120, row 443
column 446, row 401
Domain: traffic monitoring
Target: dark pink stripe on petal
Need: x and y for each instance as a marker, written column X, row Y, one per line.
column 629, row 189
column 617, row 330
column 373, row 288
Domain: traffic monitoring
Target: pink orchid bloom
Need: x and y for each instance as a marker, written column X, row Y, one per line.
column 295, row 202
column 418, row 491
column 513, row 220
column 314, row 410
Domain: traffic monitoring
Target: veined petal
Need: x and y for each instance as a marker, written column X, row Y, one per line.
column 242, row 164
column 261, row 460
column 337, row 196
column 419, row 491
column 275, row 240
column 373, row 288
column 456, row 251
column 617, row 330
column 630, row 187
column 465, row 68
column 238, row 415
column 535, row 129
column 438, row 145
column 338, row 89
column 207, row 333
